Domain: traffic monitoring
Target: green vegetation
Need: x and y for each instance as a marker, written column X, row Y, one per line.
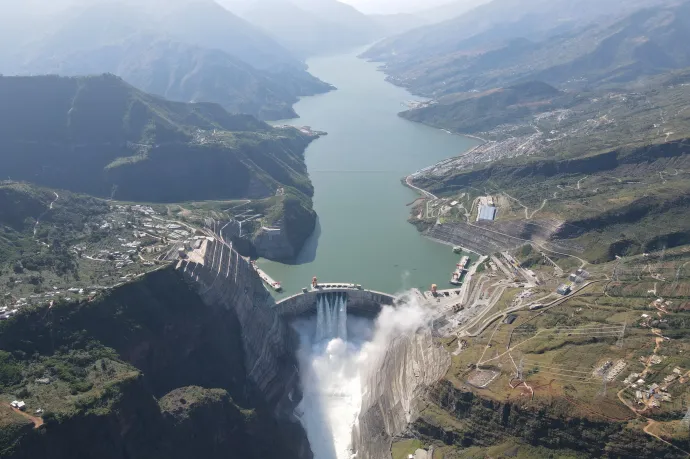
column 586, row 122
column 403, row 448
column 27, row 249
column 600, row 186
column 103, row 137
column 514, row 449
column 149, row 355
column 100, row 136
column 562, row 409
column 485, row 111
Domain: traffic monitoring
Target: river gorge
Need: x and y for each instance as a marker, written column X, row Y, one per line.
column 362, row 235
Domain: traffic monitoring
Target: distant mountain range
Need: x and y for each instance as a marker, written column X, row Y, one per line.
column 191, row 50
column 556, row 41
column 309, row 27
column 101, row 136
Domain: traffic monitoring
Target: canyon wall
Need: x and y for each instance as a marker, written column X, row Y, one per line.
column 225, row 279
column 177, row 361
column 410, row 364
column 470, row 420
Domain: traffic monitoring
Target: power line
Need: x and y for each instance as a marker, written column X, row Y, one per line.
column 686, row 419
column 604, row 382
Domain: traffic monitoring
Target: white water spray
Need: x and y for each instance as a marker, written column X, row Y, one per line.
column 336, row 354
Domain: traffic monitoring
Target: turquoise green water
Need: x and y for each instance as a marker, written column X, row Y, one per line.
column 363, row 235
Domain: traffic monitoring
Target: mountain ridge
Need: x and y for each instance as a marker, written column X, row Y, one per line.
column 524, row 43
column 119, row 137
column 190, row 51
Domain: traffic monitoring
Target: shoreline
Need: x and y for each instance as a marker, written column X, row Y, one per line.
column 407, row 180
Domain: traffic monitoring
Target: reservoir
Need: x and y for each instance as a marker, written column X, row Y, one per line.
column 362, row 235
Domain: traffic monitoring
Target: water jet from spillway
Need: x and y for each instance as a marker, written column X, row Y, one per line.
column 337, row 353
column 331, row 316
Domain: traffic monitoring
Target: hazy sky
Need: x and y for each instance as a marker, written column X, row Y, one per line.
column 394, row 6
column 366, row 6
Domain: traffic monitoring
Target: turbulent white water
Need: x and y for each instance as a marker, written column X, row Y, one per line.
column 336, row 352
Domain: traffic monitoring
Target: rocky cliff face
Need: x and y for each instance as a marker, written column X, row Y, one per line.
column 410, row 365
column 274, row 244
column 471, row 420
column 224, row 279
column 160, row 367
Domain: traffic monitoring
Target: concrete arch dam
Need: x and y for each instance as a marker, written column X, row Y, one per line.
column 367, row 303
column 411, row 362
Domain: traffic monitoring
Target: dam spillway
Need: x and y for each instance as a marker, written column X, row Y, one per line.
column 355, row 388
column 360, row 302
column 331, row 316
column 332, row 344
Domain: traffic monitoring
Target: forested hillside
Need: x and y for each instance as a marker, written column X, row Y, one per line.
column 98, row 135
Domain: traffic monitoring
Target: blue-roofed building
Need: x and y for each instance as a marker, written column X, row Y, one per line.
column 486, row 213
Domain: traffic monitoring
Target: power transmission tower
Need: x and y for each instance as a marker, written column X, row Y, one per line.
column 604, row 381
column 619, row 342
column 686, row 419
column 614, row 275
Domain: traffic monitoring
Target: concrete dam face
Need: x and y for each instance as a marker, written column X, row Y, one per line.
column 348, row 362
column 360, row 302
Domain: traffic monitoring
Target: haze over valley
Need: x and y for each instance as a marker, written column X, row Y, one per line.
column 356, row 229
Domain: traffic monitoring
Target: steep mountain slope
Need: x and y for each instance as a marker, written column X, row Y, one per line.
column 100, row 136
column 190, row 50
column 394, row 24
column 484, row 111
column 505, row 41
column 189, row 73
column 207, row 24
column 449, row 10
column 198, row 22
column 600, row 173
column 145, row 371
column 308, row 27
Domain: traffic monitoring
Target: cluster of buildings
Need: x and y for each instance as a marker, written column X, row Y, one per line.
column 9, row 310
column 150, row 236
column 649, row 320
column 21, row 406
column 651, row 395
column 574, row 279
